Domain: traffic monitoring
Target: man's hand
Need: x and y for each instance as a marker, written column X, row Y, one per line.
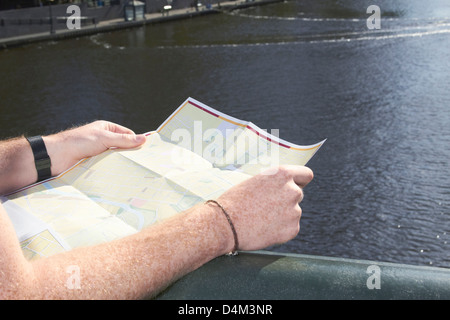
column 265, row 208
column 68, row 147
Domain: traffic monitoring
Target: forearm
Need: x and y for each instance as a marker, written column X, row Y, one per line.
column 17, row 168
column 139, row 265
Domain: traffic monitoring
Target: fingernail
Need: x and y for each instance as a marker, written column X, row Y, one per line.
column 140, row 138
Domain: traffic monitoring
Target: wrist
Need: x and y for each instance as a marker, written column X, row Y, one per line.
column 42, row 160
column 230, row 222
column 222, row 226
column 59, row 155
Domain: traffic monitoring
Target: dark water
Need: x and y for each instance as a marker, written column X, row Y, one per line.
column 311, row 69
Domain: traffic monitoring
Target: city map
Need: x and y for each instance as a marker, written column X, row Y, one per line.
column 195, row 155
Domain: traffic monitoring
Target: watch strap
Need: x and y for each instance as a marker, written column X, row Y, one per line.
column 41, row 157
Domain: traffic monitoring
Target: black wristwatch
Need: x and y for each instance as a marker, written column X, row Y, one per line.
column 41, row 157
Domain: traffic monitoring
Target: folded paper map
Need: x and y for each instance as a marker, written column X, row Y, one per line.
column 195, row 155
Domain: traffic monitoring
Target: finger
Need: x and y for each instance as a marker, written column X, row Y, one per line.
column 117, row 128
column 298, row 211
column 303, row 176
column 300, row 174
column 123, row 140
column 123, row 137
column 301, row 195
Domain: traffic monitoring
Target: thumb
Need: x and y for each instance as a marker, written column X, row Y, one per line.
column 124, row 140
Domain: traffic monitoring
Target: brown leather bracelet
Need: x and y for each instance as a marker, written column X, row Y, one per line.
column 236, row 242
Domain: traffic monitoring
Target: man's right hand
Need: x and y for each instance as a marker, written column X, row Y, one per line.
column 265, row 208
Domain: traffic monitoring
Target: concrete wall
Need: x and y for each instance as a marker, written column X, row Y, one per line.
column 37, row 20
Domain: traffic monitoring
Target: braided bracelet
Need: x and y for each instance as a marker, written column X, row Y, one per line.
column 236, row 242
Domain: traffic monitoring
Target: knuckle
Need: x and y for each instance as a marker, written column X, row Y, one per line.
column 309, row 174
column 300, row 194
column 293, row 232
column 283, row 171
column 296, row 192
column 299, row 211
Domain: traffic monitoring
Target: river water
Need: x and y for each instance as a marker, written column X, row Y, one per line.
column 311, row 69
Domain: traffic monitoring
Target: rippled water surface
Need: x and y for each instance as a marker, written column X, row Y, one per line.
column 311, row 69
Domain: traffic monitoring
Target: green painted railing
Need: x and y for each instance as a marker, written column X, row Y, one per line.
column 269, row 275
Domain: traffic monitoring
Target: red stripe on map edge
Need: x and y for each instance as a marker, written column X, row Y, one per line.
column 204, row 109
column 248, row 127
